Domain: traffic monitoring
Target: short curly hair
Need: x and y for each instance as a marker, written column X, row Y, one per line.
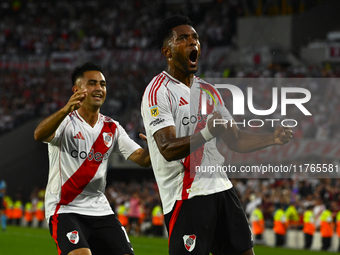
column 165, row 29
column 80, row 70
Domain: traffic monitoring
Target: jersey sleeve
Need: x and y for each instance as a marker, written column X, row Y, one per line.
column 59, row 132
column 156, row 111
column 125, row 146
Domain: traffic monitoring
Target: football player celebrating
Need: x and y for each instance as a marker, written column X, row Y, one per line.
column 202, row 213
column 80, row 140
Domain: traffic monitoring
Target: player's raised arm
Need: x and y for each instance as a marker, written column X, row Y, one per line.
column 243, row 142
column 173, row 148
column 45, row 131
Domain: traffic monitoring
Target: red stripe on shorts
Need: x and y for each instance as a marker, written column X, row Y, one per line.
column 54, row 222
column 174, row 217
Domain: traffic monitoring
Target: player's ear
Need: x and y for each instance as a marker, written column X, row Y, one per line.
column 166, row 51
column 75, row 88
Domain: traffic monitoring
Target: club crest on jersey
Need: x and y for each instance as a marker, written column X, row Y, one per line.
column 154, row 111
column 73, row 236
column 107, row 139
column 189, row 242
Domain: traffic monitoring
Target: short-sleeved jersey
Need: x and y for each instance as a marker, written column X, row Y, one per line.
column 168, row 102
column 78, row 156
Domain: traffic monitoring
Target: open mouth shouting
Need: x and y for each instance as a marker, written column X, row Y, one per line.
column 193, row 58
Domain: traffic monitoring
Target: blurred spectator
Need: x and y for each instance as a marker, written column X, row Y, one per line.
column 3, row 217
column 134, row 214
column 157, row 220
column 308, row 227
column 268, row 210
column 257, row 223
column 326, row 227
column 28, row 216
column 18, row 210
column 122, row 214
column 338, row 228
column 280, row 225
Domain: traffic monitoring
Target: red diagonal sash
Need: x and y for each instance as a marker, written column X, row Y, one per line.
column 195, row 158
column 82, row 177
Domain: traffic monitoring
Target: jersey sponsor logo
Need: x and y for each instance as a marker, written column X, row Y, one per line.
column 79, row 136
column 97, row 156
column 154, row 111
column 189, row 242
column 73, row 236
column 107, row 139
column 194, row 118
column 156, row 121
column 182, row 101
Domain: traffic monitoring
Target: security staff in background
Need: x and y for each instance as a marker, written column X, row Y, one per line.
column 157, row 220
column 308, row 226
column 338, row 228
column 292, row 216
column 326, row 228
column 280, row 225
column 257, row 223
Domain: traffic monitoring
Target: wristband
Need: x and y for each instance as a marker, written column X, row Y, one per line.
column 206, row 134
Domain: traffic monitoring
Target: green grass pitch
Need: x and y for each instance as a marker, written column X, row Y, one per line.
column 30, row 241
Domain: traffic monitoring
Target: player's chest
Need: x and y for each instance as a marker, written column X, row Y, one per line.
column 81, row 138
column 191, row 109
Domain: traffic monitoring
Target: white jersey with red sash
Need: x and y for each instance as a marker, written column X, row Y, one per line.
column 168, row 102
column 78, row 156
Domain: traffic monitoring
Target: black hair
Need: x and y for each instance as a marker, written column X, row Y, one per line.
column 80, row 70
column 165, row 29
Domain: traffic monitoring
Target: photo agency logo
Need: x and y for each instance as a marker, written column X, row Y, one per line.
column 267, row 103
column 238, row 100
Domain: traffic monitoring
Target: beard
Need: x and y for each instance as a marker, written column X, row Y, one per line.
column 183, row 63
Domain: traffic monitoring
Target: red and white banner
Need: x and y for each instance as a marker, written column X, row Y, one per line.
column 29, row 62
column 105, row 58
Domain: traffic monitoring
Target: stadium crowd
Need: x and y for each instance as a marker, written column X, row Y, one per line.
column 41, row 27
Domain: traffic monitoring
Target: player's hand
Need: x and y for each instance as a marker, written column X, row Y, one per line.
column 219, row 128
column 76, row 100
column 283, row 135
column 143, row 137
